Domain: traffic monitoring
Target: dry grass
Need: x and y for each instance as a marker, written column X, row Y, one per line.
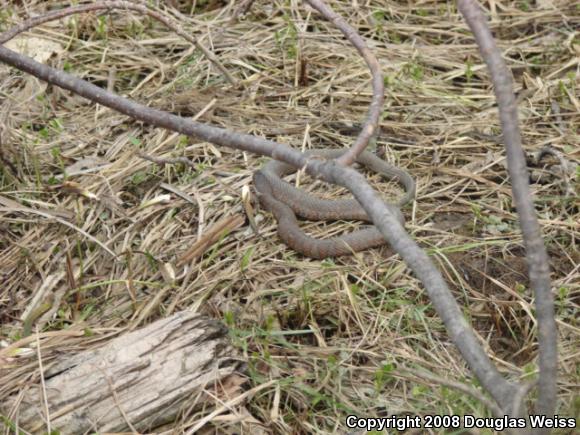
column 337, row 337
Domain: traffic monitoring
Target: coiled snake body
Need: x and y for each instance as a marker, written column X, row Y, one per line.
column 285, row 202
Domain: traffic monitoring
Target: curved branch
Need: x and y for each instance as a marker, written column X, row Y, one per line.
column 536, row 255
column 371, row 125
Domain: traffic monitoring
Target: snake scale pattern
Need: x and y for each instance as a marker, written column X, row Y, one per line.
column 285, row 201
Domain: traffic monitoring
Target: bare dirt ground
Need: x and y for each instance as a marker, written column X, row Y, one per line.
column 353, row 335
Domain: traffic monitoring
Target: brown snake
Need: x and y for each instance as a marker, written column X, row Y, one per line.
column 285, row 202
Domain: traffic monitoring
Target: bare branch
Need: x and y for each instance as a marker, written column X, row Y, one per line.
column 536, row 255
column 371, row 124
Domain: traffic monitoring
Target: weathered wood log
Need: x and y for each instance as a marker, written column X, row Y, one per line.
column 136, row 382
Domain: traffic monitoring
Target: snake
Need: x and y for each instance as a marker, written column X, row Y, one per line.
column 285, row 201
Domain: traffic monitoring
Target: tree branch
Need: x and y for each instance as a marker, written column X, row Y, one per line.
column 371, row 125
column 536, row 255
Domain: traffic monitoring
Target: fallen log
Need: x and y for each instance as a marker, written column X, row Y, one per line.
column 136, row 382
